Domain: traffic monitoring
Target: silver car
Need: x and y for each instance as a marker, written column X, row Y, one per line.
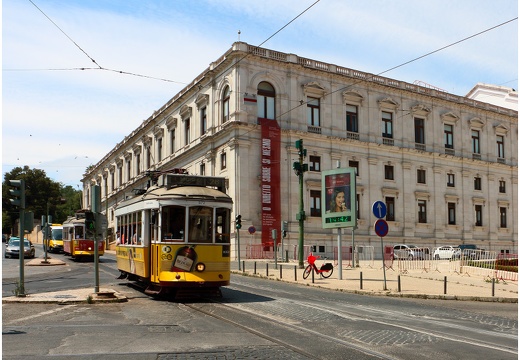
column 12, row 248
column 408, row 252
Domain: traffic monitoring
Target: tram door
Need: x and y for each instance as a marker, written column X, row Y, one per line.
column 155, row 246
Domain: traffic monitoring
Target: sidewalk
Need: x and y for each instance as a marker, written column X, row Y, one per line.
column 73, row 296
column 364, row 280
column 371, row 281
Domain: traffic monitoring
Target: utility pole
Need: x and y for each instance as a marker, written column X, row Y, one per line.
column 299, row 168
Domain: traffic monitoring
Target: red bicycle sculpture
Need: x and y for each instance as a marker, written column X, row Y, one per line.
column 325, row 270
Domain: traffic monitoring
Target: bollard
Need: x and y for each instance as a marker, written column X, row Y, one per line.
column 445, row 285
column 493, row 287
column 280, row 271
column 254, row 272
column 398, row 283
column 267, row 269
column 295, row 273
column 361, row 280
column 243, row 265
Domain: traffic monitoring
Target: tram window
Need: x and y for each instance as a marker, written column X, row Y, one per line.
column 223, row 225
column 79, row 232
column 201, row 224
column 173, row 221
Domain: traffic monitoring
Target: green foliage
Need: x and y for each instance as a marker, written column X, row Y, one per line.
column 42, row 194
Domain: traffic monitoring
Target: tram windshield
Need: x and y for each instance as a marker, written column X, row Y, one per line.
column 57, row 234
column 173, row 220
column 201, row 224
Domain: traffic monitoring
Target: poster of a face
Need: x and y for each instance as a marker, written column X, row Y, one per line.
column 339, row 198
column 337, row 193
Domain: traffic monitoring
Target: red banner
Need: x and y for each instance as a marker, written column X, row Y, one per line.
column 270, row 175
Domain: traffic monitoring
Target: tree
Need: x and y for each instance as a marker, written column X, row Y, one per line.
column 40, row 192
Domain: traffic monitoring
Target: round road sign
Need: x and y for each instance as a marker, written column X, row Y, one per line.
column 381, row 227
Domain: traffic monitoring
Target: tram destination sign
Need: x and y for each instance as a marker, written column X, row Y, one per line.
column 193, row 180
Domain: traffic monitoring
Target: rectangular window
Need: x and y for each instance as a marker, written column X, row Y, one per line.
column 357, row 207
column 389, row 172
column 313, row 112
column 451, row 180
column 137, row 164
column 203, row 121
column 314, row 163
column 451, row 214
column 352, row 118
column 355, row 165
column 387, row 131
column 500, row 146
column 390, row 208
column 503, row 217
column 419, row 130
column 172, row 141
column 128, row 170
column 421, row 211
column 202, row 169
column 223, row 164
column 187, row 131
column 477, row 183
column 421, row 176
column 475, row 141
column 502, row 186
column 448, row 136
column 112, row 181
column 478, row 215
column 120, row 175
column 159, row 149
column 148, row 158
column 315, row 203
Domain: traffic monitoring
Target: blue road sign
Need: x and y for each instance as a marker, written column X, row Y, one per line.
column 381, row 227
column 379, row 209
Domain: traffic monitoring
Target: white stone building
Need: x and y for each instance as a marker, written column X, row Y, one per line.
column 445, row 165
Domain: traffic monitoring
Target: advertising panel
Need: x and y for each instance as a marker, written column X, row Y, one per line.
column 270, row 163
column 338, row 200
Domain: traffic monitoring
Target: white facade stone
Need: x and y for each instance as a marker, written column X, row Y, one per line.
column 231, row 149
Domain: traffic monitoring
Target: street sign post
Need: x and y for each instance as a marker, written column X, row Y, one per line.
column 381, row 228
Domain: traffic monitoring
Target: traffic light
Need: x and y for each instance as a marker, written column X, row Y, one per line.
column 284, row 229
column 238, row 222
column 301, row 150
column 89, row 222
column 18, row 193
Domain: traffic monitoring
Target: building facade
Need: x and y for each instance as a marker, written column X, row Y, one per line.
column 445, row 165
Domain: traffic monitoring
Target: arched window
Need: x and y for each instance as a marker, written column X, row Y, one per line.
column 265, row 101
column 225, row 104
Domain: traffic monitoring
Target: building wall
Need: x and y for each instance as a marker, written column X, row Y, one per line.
column 295, row 79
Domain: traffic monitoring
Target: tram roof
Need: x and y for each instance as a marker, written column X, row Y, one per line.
column 180, row 192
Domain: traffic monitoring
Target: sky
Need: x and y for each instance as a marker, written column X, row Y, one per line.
column 61, row 119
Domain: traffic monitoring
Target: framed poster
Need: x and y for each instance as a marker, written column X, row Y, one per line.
column 338, row 200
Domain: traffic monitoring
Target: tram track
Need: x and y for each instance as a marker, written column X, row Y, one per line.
column 420, row 325
column 295, row 328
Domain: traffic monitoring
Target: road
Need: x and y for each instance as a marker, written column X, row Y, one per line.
column 256, row 318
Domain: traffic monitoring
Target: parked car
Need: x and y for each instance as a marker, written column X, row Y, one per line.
column 12, row 248
column 410, row 252
column 470, row 251
column 446, row 252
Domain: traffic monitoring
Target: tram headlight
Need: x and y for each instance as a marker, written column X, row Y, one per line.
column 200, row 267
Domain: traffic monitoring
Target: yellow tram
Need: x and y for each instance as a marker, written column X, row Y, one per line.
column 78, row 240
column 175, row 238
